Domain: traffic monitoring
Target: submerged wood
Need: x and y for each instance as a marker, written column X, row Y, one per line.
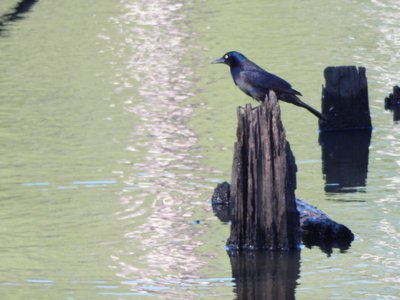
column 316, row 227
column 264, row 214
column 345, row 99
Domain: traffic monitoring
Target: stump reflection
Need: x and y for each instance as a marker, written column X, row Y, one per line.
column 265, row 275
column 345, row 160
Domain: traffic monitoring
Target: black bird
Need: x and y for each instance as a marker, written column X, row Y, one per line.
column 256, row 82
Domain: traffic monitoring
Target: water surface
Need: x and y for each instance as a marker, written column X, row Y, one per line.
column 115, row 129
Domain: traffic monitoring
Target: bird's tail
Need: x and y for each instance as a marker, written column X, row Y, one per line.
column 296, row 101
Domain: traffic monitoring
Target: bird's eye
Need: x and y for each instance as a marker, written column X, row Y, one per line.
column 226, row 56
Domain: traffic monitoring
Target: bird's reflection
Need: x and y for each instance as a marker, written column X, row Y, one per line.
column 17, row 13
column 265, row 275
column 345, row 160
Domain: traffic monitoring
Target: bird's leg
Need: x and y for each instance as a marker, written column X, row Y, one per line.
column 253, row 108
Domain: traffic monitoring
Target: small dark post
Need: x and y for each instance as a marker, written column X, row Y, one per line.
column 392, row 103
column 345, row 99
column 346, row 137
column 264, row 214
column 393, row 99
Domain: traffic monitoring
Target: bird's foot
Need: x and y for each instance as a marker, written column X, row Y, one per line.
column 243, row 107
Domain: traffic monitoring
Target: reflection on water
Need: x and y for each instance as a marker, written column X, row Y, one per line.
column 18, row 13
column 265, row 275
column 325, row 245
column 164, row 177
column 345, row 160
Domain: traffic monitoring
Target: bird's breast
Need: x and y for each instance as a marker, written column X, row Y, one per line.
column 256, row 92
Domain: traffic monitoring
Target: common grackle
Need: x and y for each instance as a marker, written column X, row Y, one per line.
column 256, row 82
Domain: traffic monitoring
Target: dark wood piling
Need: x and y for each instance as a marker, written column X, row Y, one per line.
column 263, row 203
column 393, row 99
column 345, row 138
column 392, row 103
column 345, row 99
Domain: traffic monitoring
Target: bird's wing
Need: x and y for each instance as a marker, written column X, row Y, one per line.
column 263, row 79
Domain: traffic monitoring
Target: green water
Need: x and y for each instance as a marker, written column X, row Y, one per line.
column 115, row 128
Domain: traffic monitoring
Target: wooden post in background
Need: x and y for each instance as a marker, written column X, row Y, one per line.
column 345, row 139
column 392, row 103
column 345, row 99
column 264, row 214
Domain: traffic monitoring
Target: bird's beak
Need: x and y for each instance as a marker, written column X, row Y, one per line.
column 218, row 61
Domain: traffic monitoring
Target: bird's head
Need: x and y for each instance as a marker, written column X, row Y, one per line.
column 231, row 58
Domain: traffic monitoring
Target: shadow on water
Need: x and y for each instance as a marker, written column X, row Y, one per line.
column 17, row 13
column 345, row 160
column 265, row 275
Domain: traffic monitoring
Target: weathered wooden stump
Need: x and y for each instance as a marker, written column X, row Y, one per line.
column 264, row 214
column 346, row 137
column 345, row 99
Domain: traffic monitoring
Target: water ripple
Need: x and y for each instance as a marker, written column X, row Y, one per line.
column 156, row 32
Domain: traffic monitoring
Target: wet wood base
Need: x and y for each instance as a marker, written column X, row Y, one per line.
column 316, row 227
